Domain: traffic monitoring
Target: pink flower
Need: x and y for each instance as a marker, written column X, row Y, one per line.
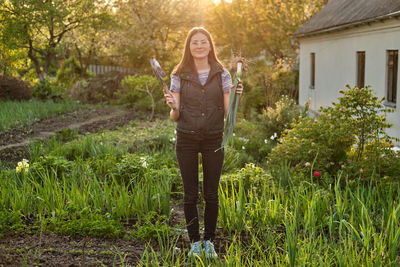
column 317, row 174
column 307, row 164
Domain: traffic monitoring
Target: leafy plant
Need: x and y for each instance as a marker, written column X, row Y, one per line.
column 338, row 138
column 48, row 89
column 142, row 93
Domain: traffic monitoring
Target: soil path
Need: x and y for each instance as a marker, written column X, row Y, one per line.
column 13, row 142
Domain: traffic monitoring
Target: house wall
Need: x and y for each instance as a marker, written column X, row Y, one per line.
column 335, row 64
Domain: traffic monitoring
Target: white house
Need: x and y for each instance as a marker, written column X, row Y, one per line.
column 353, row 42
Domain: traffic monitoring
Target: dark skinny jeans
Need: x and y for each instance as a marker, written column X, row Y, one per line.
column 187, row 151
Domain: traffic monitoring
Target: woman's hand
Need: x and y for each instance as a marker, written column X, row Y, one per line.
column 170, row 99
column 239, row 88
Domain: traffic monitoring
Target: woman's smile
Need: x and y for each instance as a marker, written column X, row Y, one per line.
column 199, row 45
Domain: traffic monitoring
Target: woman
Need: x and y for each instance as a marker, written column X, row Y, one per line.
column 199, row 100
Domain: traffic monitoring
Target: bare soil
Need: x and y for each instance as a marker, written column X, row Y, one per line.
column 58, row 250
column 13, row 142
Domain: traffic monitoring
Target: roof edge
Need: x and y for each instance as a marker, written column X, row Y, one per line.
column 347, row 25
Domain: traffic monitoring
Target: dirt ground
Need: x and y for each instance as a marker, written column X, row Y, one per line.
column 58, row 250
column 13, row 142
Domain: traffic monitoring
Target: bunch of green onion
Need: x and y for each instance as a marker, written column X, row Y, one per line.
column 233, row 107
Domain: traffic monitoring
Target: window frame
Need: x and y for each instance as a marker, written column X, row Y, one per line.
column 360, row 75
column 392, row 67
column 312, row 70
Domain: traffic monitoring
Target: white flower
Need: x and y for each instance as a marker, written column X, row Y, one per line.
column 266, row 141
column 144, row 162
column 243, row 148
column 244, row 139
column 396, row 149
column 174, row 131
column 233, row 134
column 173, row 139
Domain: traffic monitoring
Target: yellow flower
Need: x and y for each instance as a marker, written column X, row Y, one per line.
column 22, row 165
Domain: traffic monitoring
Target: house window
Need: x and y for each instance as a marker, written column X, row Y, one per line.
column 312, row 71
column 360, row 69
column 392, row 67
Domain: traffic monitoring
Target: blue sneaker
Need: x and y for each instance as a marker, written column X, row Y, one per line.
column 195, row 250
column 209, row 250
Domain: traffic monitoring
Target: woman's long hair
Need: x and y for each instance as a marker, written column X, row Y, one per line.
column 187, row 58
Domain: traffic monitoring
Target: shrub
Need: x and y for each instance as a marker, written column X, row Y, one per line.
column 356, row 120
column 131, row 167
column 70, row 72
column 274, row 120
column 250, row 176
column 48, row 89
column 265, row 86
column 144, row 93
column 12, row 88
column 258, row 138
column 55, row 164
column 100, row 88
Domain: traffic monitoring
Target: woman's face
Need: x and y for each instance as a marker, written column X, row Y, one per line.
column 199, row 46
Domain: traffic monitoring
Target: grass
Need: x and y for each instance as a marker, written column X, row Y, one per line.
column 14, row 113
column 120, row 184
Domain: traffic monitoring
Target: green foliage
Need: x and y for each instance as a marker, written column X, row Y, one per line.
column 155, row 28
column 250, row 176
column 10, row 221
column 131, row 168
column 144, row 93
column 266, row 31
column 266, row 85
column 234, row 159
column 91, row 225
column 56, row 164
column 48, row 89
column 12, row 60
column 69, row 72
column 41, row 26
column 152, row 227
column 15, row 113
column 257, row 137
column 274, row 120
column 325, row 143
column 87, row 147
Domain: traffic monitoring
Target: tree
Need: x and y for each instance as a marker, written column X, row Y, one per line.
column 261, row 27
column 86, row 43
column 41, row 25
column 261, row 30
column 155, row 28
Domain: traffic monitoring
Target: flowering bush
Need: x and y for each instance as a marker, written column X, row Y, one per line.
column 274, row 120
column 350, row 135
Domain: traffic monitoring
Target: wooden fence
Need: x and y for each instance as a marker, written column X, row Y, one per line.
column 100, row 69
